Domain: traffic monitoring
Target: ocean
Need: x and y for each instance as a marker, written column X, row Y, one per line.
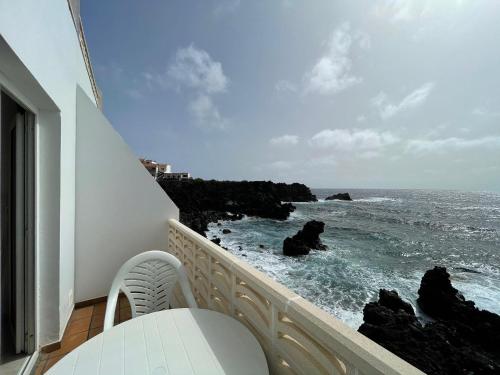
column 382, row 239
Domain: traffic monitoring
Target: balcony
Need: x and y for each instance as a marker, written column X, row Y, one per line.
column 296, row 336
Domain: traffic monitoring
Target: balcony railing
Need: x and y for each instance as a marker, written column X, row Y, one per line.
column 297, row 337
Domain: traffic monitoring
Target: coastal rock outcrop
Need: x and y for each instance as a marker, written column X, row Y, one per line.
column 306, row 239
column 461, row 339
column 340, row 197
column 202, row 202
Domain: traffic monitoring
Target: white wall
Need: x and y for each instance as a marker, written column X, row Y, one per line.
column 21, row 85
column 120, row 209
column 42, row 65
column 43, row 36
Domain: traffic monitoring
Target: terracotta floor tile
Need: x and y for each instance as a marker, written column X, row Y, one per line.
column 94, row 332
column 40, row 367
column 83, row 312
column 124, row 303
column 100, row 308
column 69, row 343
column 125, row 314
column 77, row 326
column 97, row 321
column 51, row 362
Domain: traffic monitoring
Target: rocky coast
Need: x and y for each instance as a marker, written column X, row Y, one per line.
column 204, row 201
column 457, row 338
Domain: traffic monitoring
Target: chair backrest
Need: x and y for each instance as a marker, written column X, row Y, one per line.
column 148, row 280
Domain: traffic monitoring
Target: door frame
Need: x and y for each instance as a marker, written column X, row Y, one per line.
column 29, row 268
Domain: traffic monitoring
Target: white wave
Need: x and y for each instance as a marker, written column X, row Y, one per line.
column 378, row 199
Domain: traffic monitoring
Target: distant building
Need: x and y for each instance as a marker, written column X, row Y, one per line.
column 163, row 170
column 176, row 176
column 156, row 169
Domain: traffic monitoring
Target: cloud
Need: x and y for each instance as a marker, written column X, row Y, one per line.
column 226, row 7
column 134, row 93
column 412, row 100
column 285, row 86
column 402, row 10
column 281, row 164
column 194, row 68
column 422, row 146
column 206, row 113
column 353, row 140
column 484, row 112
column 332, row 72
column 284, row 140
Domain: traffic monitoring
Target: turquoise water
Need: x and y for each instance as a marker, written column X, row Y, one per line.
column 383, row 239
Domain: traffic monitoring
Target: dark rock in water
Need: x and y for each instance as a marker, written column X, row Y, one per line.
column 262, row 246
column 306, row 239
column 216, row 240
column 202, row 202
column 392, row 300
column 219, row 224
column 462, row 340
column 226, row 231
column 438, row 299
column 293, row 247
column 340, row 197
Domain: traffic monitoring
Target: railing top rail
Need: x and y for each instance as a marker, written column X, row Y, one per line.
column 369, row 357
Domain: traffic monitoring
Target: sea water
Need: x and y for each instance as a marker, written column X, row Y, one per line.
column 382, row 239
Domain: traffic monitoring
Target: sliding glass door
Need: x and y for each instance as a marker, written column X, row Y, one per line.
column 17, row 256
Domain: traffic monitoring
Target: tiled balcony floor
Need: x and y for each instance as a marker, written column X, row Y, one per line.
column 85, row 323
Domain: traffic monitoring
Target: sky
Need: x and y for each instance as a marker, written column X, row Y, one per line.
column 359, row 94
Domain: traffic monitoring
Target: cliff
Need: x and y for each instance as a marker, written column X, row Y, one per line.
column 201, row 202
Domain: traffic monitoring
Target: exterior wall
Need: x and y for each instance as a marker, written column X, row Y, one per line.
column 17, row 81
column 42, row 65
column 120, row 210
column 43, row 36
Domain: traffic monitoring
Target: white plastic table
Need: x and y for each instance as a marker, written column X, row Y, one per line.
column 178, row 341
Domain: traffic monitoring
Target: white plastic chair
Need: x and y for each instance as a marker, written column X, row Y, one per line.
column 148, row 280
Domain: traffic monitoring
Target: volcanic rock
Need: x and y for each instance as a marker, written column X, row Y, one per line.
column 306, row 239
column 226, row 231
column 462, row 340
column 201, row 202
column 340, row 197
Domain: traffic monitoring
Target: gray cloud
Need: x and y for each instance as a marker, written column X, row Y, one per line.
column 195, row 70
column 332, row 72
column 284, row 140
column 420, row 146
column 414, row 99
column 353, row 139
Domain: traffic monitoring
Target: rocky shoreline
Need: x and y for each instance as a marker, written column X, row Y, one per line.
column 455, row 337
column 205, row 201
column 460, row 339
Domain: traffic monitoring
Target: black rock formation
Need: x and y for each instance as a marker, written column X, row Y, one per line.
column 306, row 239
column 462, row 339
column 226, row 231
column 201, row 202
column 340, row 197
